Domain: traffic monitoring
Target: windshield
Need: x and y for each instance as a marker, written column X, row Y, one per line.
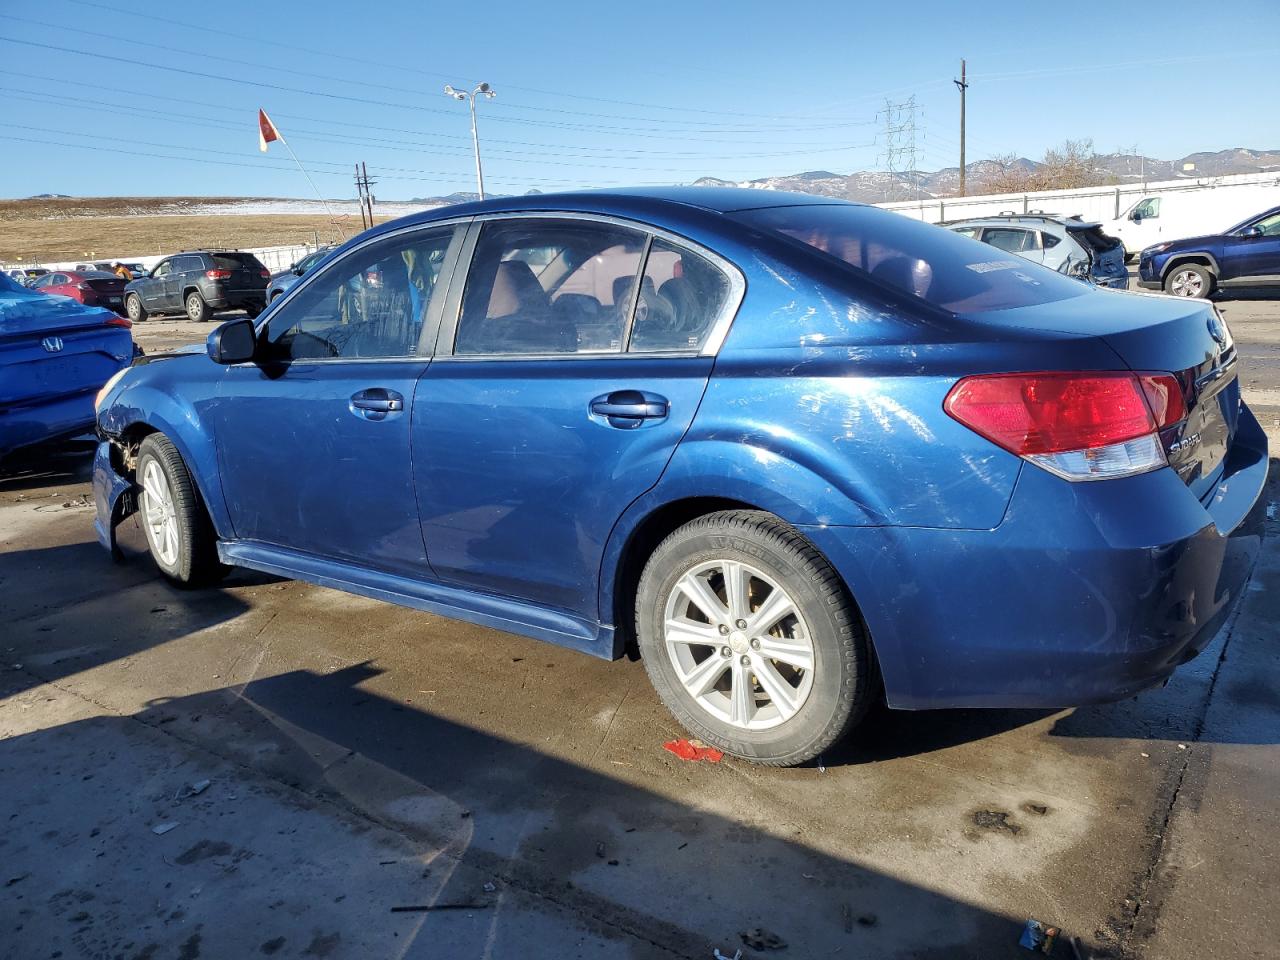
column 930, row 263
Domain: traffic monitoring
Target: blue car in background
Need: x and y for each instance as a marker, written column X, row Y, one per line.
column 1247, row 255
column 800, row 454
column 55, row 354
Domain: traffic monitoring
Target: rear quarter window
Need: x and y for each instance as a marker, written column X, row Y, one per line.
column 922, row 261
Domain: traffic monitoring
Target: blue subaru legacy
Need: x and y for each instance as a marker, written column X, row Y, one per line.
column 800, row 454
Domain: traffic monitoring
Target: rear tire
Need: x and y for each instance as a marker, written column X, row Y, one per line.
column 1189, row 280
column 197, row 309
column 177, row 526
column 774, row 690
column 133, row 307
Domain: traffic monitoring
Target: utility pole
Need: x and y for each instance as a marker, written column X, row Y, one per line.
column 962, row 85
column 363, row 183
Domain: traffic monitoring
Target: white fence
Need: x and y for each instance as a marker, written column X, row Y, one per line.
column 1091, row 203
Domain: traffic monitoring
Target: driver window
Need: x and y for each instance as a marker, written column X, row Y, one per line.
column 371, row 304
column 162, row 269
column 1270, row 226
column 1147, row 209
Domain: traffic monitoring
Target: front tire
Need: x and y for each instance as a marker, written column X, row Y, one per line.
column 197, row 309
column 179, row 534
column 751, row 640
column 133, row 307
column 1189, row 280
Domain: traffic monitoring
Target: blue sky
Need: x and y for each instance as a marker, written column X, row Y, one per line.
column 598, row 94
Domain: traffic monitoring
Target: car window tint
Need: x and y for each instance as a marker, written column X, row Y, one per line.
column 917, row 259
column 539, row 286
column 1008, row 238
column 370, row 304
column 680, row 297
column 1049, row 240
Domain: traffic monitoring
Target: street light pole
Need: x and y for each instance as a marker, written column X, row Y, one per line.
column 488, row 91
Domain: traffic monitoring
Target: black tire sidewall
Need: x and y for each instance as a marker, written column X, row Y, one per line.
column 197, row 561
column 836, row 664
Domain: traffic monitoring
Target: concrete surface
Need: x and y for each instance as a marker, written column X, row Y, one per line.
column 362, row 757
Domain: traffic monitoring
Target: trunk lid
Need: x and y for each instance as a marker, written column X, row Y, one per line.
column 1107, row 251
column 52, row 347
column 1157, row 334
column 246, row 270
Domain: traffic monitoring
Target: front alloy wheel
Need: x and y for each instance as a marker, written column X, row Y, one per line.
column 160, row 518
column 1189, row 280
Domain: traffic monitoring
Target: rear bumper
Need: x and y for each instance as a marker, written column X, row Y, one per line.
column 1085, row 593
column 39, row 422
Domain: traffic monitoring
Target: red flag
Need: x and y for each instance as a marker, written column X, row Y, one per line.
column 267, row 131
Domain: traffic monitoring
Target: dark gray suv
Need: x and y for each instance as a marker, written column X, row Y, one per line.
column 200, row 282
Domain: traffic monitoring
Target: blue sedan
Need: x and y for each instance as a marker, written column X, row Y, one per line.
column 55, row 354
column 799, row 454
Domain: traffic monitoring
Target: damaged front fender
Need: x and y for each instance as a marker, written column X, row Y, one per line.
column 114, row 497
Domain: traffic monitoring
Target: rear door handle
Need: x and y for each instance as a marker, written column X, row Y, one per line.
column 376, row 403
column 628, row 409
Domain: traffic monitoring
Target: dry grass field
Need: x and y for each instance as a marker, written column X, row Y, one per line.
column 34, row 231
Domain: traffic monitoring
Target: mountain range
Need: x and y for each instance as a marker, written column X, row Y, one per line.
column 877, row 186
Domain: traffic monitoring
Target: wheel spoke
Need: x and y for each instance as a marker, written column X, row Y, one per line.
column 775, row 607
column 737, row 589
column 742, row 707
column 795, row 653
column 779, row 691
column 702, row 678
column 703, row 597
column 693, row 633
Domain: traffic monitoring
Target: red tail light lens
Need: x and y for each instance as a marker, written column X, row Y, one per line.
column 266, row 274
column 120, row 322
column 218, row 274
column 1081, row 426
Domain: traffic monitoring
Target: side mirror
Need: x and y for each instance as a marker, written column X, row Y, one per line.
column 298, row 271
column 235, row 341
column 1251, row 232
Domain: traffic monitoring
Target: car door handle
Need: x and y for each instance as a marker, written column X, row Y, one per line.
column 629, row 408
column 376, row 403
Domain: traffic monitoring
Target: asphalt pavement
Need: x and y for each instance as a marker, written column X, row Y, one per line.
column 275, row 769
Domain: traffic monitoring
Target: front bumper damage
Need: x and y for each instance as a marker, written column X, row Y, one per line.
column 114, row 497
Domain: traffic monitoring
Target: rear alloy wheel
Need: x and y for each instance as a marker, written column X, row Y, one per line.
column 750, row 639
column 133, row 307
column 1189, row 280
column 179, row 534
column 197, row 309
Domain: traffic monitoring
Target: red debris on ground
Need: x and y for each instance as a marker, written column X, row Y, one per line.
column 686, row 750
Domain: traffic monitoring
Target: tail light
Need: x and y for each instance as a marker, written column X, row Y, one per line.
column 120, row 322
column 1079, row 426
column 265, row 273
column 218, row 274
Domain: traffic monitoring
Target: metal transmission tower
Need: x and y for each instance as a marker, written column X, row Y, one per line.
column 900, row 158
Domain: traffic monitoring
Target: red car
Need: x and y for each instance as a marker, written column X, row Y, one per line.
column 93, row 288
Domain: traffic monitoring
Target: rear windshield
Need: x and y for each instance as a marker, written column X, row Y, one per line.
column 236, row 261
column 932, row 263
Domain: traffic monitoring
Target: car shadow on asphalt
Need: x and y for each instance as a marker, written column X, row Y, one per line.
column 620, row 861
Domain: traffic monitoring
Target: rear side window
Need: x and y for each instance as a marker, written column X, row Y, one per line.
column 680, row 297
column 919, row 260
column 1011, row 239
column 549, row 286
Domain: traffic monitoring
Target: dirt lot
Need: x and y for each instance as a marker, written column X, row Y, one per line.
column 363, row 758
column 52, row 230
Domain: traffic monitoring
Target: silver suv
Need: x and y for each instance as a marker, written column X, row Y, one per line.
column 1066, row 244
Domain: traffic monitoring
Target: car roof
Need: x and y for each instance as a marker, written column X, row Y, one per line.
column 622, row 202
column 1001, row 219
